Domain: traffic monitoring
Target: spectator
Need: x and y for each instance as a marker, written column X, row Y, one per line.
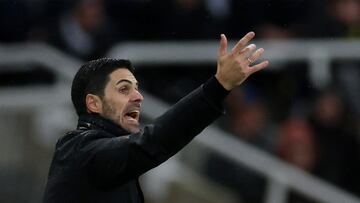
column 82, row 31
column 339, row 18
column 296, row 145
column 338, row 155
column 249, row 118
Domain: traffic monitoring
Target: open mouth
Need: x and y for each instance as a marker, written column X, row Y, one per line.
column 133, row 115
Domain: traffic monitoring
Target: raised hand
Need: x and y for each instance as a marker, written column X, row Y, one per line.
column 235, row 66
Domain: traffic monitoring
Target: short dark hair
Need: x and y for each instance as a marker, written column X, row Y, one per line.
column 92, row 78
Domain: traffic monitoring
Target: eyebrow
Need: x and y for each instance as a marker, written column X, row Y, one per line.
column 127, row 81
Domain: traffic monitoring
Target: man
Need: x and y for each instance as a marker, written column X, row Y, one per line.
column 102, row 159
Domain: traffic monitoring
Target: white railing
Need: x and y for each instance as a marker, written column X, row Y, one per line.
column 63, row 65
column 317, row 53
column 282, row 176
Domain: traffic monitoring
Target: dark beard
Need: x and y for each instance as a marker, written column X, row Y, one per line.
column 109, row 112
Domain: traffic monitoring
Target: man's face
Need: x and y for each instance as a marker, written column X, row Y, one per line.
column 122, row 100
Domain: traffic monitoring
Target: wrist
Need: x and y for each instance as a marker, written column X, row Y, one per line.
column 214, row 91
column 223, row 82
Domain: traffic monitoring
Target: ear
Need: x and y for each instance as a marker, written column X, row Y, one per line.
column 93, row 103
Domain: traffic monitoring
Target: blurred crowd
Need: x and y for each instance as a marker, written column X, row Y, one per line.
column 86, row 28
column 315, row 130
column 322, row 140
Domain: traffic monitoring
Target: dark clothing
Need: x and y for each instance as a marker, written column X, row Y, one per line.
column 101, row 162
column 338, row 153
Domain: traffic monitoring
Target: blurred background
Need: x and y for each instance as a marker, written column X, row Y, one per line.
column 291, row 133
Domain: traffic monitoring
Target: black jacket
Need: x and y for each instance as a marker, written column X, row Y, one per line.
column 101, row 162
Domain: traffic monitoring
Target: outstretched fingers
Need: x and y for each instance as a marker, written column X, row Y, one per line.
column 255, row 56
column 234, row 67
column 223, row 45
column 247, row 51
column 243, row 42
column 257, row 67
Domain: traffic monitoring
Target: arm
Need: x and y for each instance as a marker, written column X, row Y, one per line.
column 112, row 160
column 123, row 158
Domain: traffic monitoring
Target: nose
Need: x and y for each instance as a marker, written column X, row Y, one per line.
column 137, row 96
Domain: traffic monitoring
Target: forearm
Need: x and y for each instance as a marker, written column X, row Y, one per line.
column 187, row 118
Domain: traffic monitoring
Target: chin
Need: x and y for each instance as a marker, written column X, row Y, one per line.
column 134, row 130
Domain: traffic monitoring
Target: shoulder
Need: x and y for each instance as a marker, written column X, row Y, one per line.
column 74, row 140
column 84, row 136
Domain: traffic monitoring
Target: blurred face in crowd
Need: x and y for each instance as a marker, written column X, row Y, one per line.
column 250, row 121
column 122, row 100
column 297, row 145
column 90, row 14
column 301, row 154
column 329, row 109
column 346, row 11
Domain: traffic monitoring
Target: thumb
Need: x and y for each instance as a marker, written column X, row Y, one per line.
column 223, row 45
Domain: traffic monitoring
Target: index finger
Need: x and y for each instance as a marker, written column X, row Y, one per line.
column 243, row 42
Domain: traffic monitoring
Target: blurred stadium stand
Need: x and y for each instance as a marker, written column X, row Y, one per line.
column 292, row 133
column 33, row 115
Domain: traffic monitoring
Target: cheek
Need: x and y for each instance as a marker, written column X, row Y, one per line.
column 119, row 105
column 116, row 101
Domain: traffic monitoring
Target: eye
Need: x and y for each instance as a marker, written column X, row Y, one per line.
column 124, row 89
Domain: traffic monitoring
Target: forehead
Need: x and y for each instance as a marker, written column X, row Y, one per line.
column 122, row 73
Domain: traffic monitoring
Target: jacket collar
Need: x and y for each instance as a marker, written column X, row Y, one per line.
column 94, row 121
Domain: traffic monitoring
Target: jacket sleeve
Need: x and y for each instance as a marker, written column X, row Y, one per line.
column 113, row 161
